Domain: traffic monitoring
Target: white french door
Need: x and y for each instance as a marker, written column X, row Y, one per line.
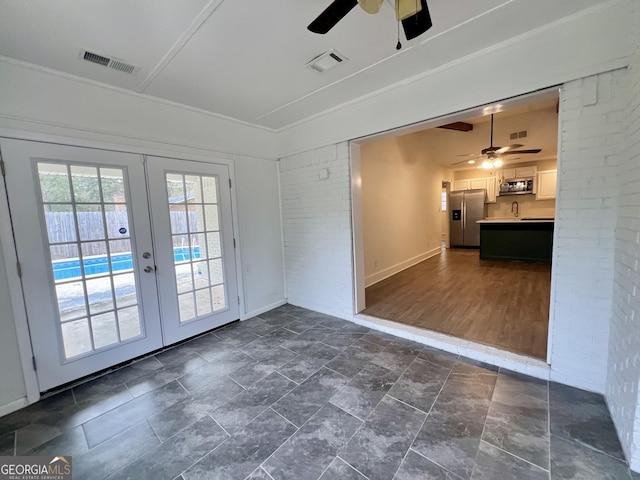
column 93, row 266
column 191, row 211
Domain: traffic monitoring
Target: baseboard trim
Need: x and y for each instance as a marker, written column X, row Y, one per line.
column 264, row 309
column 397, row 268
column 13, row 406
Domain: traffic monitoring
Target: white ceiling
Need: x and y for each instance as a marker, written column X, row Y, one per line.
column 245, row 59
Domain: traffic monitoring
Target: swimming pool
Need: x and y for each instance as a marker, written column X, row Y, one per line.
column 70, row 268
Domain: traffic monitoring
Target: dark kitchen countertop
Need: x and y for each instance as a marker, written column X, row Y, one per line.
column 516, row 220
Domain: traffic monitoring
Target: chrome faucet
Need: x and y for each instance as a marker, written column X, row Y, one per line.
column 514, row 204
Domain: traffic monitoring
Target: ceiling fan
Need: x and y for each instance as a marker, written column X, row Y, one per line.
column 413, row 14
column 493, row 153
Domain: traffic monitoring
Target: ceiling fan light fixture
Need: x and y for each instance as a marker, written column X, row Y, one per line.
column 491, row 163
column 407, row 8
column 490, row 110
column 370, row 6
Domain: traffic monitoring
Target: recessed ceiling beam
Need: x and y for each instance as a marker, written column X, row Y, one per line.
column 460, row 126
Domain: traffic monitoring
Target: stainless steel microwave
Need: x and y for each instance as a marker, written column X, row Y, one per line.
column 516, row 186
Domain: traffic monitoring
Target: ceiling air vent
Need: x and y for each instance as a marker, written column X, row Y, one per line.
column 326, row 61
column 95, row 58
column 516, row 135
column 108, row 62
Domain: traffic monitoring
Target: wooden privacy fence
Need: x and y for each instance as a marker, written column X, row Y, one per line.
column 61, row 229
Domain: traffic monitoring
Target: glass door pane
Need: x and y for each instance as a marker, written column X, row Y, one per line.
column 193, row 210
column 91, row 263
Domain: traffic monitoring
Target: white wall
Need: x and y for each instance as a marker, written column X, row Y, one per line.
column 37, row 100
column 401, row 199
column 528, row 206
column 624, row 340
column 591, row 146
column 260, row 234
column 316, row 216
column 38, row 104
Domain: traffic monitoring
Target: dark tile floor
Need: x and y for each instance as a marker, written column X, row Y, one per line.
column 294, row 394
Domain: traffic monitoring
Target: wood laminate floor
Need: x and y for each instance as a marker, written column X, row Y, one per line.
column 502, row 304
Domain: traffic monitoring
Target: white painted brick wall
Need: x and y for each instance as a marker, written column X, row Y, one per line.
column 317, row 229
column 591, row 121
column 624, row 342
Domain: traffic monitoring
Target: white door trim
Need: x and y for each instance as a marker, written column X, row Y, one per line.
column 17, row 300
column 359, row 300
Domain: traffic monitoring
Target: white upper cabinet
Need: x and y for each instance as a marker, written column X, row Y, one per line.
column 544, row 182
column 478, row 183
column 490, row 184
column 508, row 173
column 519, row 172
column 492, row 189
column 547, row 182
column 461, row 184
column 526, row 171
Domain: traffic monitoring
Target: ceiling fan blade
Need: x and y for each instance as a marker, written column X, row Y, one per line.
column 331, row 15
column 515, row 152
column 417, row 24
column 467, row 155
column 509, row 148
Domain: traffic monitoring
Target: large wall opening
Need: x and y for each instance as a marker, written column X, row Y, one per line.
column 406, row 271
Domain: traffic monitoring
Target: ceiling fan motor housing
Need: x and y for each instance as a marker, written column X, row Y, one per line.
column 490, row 150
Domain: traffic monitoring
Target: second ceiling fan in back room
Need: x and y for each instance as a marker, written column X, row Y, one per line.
column 414, row 15
column 492, row 153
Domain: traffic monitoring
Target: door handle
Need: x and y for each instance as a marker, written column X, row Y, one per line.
column 149, row 269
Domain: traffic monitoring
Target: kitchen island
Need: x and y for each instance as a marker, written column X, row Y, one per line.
column 522, row 239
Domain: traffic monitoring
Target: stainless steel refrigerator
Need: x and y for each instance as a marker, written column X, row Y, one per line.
column 466, row 207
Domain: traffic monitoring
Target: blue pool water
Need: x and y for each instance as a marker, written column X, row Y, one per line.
column 63, row 269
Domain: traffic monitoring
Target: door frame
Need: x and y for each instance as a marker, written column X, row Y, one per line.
column 17, row 299
column 21, row 323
